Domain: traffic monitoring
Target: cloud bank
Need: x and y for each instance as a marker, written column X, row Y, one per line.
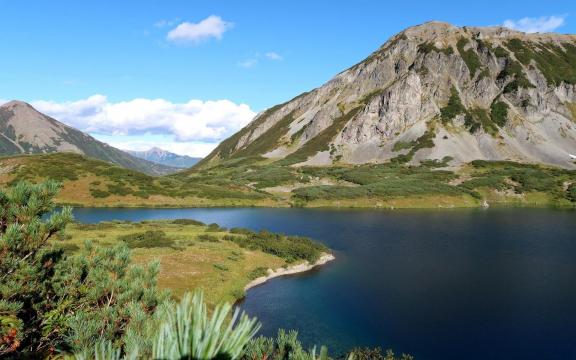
column 536, row 24
column 199, row 124
column 194, row 33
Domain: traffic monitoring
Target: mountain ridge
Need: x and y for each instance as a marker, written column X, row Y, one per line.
column 431, row 91
column 25, row 130
column 164, row 157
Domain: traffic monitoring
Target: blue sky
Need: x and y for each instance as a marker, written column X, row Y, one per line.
column 74, row 59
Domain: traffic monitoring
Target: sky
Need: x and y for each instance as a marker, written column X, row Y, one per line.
column 185, row 74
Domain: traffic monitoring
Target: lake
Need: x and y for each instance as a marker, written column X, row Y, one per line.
column 453, row 284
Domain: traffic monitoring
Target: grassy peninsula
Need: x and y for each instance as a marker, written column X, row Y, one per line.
column 194, row 255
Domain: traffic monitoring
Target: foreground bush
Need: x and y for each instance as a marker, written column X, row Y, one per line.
column 186, row 331
column 52, row 303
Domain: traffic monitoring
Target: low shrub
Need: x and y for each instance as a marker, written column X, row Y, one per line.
column 187, row 222
column 258, row 273
column 215, row 228
column 148, row 239
column 221, row 267
column 208, row 238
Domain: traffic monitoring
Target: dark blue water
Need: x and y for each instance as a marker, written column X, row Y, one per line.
column 465, row 284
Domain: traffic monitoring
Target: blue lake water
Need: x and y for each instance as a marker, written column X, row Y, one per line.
column 461, row 284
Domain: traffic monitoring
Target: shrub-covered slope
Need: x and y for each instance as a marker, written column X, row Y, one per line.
column 258, row 182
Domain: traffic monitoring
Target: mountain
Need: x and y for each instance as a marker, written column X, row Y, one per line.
column 432, row 92
column 159, row 156
column 24, row 130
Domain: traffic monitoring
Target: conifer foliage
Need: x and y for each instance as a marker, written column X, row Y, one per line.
column 26, row 264
column 51, row 303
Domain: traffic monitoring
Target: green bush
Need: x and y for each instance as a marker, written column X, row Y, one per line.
column 208, row 238
column 215, row 228
column 290, row 248
column 258, row 273
column 453, row 108
column 469, row 56
column 148, row 239
column 99, row 194
column 428, row 47
column 365, row 353
column 221, row 267
column 188, row 222
column 556, row 63
column 499, row 113
column 402, row 145
column 50, row 302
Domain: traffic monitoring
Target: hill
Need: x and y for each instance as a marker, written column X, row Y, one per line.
column 91, row 182
column 24, row 130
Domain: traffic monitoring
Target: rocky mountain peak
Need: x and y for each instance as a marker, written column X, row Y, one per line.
column 432, row 92
column 15, row 103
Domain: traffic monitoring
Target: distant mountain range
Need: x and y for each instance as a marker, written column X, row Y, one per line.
column 24, row 130
column 159, row 156
column 432, row 92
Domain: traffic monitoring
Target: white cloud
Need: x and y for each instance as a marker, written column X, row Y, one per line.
column 536, row 24
column 3, row 101
column 248, row 63
column 211, row 27
column 195, row 120
column 273, row 56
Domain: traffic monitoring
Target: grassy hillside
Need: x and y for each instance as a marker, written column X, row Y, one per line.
column 254, row 181
column 194, row 255
column 90, row 182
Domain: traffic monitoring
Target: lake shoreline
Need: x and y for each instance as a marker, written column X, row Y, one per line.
column 291, row 270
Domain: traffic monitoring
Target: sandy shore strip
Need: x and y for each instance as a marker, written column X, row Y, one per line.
column 295, row 269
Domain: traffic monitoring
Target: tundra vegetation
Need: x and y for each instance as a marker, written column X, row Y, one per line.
column 256, row 181
column 94, row 302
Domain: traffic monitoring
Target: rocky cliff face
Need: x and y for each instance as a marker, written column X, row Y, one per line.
column 431, row 91
column 24, row 130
